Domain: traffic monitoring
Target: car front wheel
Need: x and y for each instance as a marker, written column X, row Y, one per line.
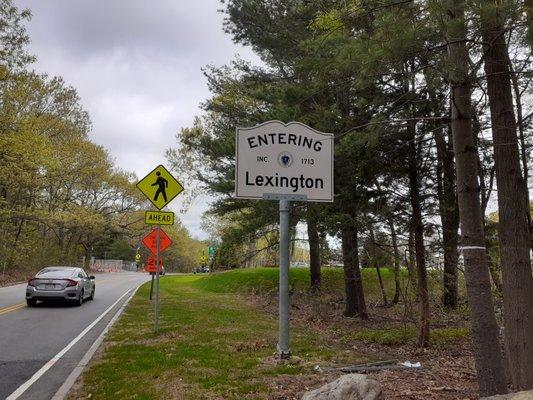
column 92, row 294
column 31, row 302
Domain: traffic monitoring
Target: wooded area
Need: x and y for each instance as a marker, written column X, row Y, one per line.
column 62, row 198
column 430, row 104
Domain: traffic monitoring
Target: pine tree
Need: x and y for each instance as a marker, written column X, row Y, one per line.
column 489, row 364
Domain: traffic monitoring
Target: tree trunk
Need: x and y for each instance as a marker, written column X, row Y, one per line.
column 486, row 178
column 410, row 261
column 418, row 231
column 486, row 189
column 495, row 275
column 489, row 365
column 396, row 253
column 376, row 265
column 361, row 303
column 449, row 215
column 383, row 293
column 314, row 252
column 528, row 5
column 523, row 145
column 349, row 273
column 250, row 253
column 513, row 227
column 355, row 298
column 293, row 235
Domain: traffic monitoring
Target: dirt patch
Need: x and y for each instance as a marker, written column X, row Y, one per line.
column 293, row 387
column 448, row 371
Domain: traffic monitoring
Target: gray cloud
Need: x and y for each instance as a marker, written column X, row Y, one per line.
column 137, row 67
column 90, row 27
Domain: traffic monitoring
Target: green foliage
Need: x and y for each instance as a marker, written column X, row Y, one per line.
column 186, row 252
column 58, row 189
column 61, row 196
column 13, row 36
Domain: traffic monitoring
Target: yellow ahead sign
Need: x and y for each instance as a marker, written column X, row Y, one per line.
column 160, row 187
column 159, row 218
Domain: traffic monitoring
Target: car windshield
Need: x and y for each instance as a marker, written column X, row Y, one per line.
column 57, row 272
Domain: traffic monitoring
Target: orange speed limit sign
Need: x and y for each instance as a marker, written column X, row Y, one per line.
column 151, row 264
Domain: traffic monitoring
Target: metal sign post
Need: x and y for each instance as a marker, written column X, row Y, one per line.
column 284, row 338
column 151, row 287
column 284, row 347
column 158, row 268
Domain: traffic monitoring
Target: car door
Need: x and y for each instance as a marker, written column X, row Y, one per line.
column 85, row 282
column 90, row 283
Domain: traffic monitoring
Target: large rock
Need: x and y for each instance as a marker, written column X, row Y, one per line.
column 347, row 387
column 512, row 396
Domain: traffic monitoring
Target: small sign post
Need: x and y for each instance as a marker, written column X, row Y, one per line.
column 151, row 267
column 285, row 162
column 160, row 187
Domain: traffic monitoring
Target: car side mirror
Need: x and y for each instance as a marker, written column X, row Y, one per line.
column 92, row 277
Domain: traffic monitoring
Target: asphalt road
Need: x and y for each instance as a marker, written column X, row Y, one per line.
column 31, row 337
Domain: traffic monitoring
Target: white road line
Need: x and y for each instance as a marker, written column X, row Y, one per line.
column 62, row 392
column 25, row 386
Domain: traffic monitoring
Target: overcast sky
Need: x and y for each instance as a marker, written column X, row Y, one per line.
column 137, row 67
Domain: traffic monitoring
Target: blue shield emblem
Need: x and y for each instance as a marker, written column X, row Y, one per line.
column 285, row 159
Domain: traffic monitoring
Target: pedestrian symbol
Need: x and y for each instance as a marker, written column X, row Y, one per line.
column 160, row 187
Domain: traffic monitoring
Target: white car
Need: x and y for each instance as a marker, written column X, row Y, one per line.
column 299, row 264
column 60, row 283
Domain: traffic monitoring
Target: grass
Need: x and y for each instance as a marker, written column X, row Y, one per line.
column 211, row 345
column 265, row 280
column 215, row 344
column 404, row 335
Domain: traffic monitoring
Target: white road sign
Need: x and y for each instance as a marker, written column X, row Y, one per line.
column 276, row 159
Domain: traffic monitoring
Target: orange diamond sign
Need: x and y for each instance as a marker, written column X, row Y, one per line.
column 150, row 241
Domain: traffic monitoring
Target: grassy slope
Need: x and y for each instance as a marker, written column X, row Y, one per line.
column 215, row 344
column 265, row 280
column 211, row 345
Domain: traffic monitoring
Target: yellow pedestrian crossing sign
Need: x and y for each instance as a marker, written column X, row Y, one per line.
column 160, row 187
